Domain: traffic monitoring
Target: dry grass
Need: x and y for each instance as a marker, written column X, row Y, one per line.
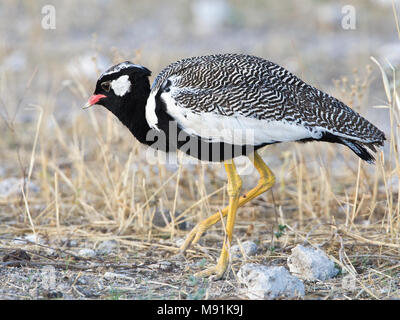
column 95, row 184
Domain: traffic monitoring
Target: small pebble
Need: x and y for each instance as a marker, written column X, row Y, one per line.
column 87, row 253
column 106, row 247
column 82, row 280
column 249, row 248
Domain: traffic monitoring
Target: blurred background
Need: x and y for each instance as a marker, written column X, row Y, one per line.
column 306, row 37
column 52, row 52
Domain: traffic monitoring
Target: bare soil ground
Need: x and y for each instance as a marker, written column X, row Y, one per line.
column 141, row 269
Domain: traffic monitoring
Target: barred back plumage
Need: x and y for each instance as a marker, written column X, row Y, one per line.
column 237, row 85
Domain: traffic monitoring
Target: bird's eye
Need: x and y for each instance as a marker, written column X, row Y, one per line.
column 106, row 86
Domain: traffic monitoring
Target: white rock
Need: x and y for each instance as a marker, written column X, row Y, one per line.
column 87, row 253
column 249, row 248
column 106, row 247
column 32, row 238
column 269, row 282
column 28, row 239
column 311, row 264
column 13, row 186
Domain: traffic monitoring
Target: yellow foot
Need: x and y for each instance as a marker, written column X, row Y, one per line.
column 193, row 237
column 215, row 273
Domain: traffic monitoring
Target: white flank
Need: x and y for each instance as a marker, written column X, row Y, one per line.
column 237, row 129
column 121, row 86
column 151, row 116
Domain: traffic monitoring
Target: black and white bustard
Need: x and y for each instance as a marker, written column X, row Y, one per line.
column 218, row 107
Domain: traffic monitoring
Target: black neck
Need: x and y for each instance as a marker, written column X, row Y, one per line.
column 132, row 113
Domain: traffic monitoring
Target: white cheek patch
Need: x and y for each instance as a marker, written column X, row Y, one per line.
column 121, row 86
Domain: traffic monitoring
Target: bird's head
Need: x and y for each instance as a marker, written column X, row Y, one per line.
column 121, row 86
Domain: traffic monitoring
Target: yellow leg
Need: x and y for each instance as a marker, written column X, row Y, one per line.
column 266, row 181
column 234, row 187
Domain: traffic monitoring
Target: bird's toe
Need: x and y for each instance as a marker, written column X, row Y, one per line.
column 214, row 273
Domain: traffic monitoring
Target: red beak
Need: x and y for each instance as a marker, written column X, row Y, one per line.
column 93, row 100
